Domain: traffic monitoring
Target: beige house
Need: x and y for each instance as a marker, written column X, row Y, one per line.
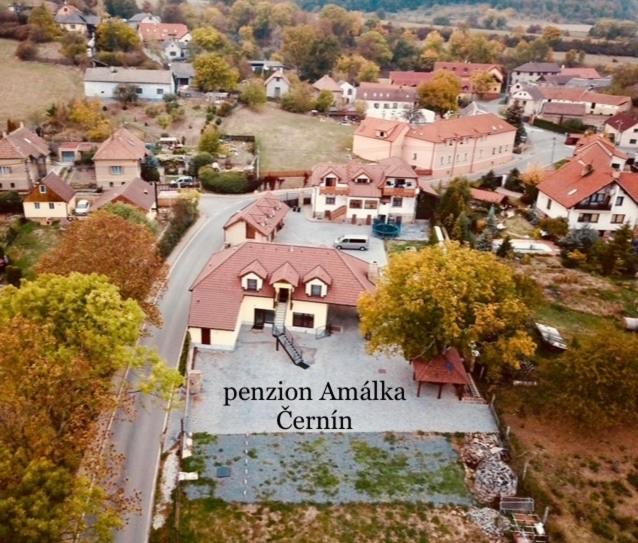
column 72, row 19
column 136, row 193
column 259, row 221
column 288, row 287
column 118, row 159
column 24, row 158
column 49, row 199
column 326, row 83
column 359, row 192
column 446, row 147
column 277, row 85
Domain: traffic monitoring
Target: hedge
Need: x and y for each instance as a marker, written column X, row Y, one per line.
column 560, row 128
column 227, row 182
column 184, row 215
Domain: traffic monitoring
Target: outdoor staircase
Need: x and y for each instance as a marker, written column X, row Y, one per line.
column 284, row 338
column 337, row 213
column 472, row 394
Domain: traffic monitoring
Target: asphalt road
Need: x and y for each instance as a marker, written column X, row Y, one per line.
column 138, row 437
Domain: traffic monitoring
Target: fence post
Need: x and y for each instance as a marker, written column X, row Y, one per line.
column 546, row 514
column 525, row 467
column 507, row 433
column 492, row 400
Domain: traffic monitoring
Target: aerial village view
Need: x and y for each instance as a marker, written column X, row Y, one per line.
column 318, row 271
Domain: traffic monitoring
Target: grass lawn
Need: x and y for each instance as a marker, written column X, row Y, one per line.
column 517, row 227
column 399, row 246
column 289, row 141
column 28, row 88
column 32, row 241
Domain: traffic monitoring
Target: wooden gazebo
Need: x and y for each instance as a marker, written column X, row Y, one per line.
column 444, row 369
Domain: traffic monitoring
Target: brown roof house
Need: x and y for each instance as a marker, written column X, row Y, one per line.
column 623, row 129
column 258, row 221
column 118, row 159
column 359, row 192
column 23, row 160
column 326, row 83
column 291, row 287
column 136, row 193
column 592, row 189
column 50, row 198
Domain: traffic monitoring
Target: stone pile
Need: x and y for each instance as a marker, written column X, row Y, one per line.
column 477, row 447
column 489, row 521
column 494, row 479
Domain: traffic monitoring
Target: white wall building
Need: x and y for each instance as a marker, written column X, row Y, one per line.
column 277, row 85
column 623, row 129
column 149, row 84
column 384, row 101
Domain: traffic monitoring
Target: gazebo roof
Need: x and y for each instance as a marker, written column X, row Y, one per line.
column 446, row 368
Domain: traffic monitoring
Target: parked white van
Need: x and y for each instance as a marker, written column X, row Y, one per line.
column 352, row 241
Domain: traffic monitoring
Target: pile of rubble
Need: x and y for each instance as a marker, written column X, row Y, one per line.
column 494, row 479
column 477, row 447
column 489, row 521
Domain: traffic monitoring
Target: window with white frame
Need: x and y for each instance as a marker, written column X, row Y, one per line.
column 116, row 170
column 617, row 219
column 51, row 205
column 5, row 170
column 42, row 189
column 330, row 200
column 251, row 284
column 620, row 200
column 315, row 290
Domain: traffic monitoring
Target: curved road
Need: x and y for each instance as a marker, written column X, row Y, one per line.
column 138, row 436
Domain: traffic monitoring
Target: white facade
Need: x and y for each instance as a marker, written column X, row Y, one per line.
column 393, row 111
column 348, row 92
column 627, row 138
column 623, row 210
column 145, row 91
column 277, row 85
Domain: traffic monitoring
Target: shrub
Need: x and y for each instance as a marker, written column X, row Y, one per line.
column 10, row 202
column 226, row 182
column 199, row 161
column 209, row 141
column 14, row 275
column 225, row 109
column 555, row 228
column 184, row 215
column 253, row 93
column 27, row 50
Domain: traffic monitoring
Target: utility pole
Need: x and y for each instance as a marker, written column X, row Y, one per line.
column 553, row 148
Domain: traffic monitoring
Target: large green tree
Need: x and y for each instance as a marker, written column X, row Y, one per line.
column 213, row 73
column 453, row 205
column 595, row 382
column 115, row 35
column 441, row 93
column 448, row 296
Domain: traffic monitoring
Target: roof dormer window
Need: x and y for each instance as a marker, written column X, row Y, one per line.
column 42, row 189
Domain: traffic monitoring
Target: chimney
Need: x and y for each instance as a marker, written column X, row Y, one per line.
column 373, row 272
column 145, row 191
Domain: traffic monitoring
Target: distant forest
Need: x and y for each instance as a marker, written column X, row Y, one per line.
column 577, row 11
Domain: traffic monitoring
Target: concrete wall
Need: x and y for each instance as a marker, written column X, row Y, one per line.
column 105, row 178
column 106, row 90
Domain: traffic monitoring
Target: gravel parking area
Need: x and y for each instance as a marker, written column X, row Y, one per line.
column 331, row 468
column 339, row 360
column 300, row 229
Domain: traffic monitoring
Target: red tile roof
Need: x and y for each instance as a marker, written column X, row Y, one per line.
column 488, row 196
column 256, row 268
column 583, row 73
column 410, row 79
column 629, row 183
column 121, row 145
column 588, row 140
column 318, row 273
column 56, row 190
column 217, row 293
column 386, row 92
column 264, row 215
column 161, row 31
column 76, row 146
column 586, row 173
column 564, row 108
column 136, row 192
column 623, row 120
column 466, row 69
column 23, row 143
column 464, row 127
column 446, row 368
column 285, row 273
column 570, row 94
column 371, row 128
column 349, row 172
column 326, row 83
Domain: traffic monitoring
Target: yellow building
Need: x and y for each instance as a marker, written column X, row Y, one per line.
column 287, row 287
column 50, row 199
column 118, row 160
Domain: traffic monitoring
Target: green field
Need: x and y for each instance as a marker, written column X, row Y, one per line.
column 289, row 141
column 28, row 88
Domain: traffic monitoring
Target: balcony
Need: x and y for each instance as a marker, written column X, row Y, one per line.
column 399, row 191
column 334, row 191
column 594, row 206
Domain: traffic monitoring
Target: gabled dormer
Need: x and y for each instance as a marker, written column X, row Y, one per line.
column 252, row 277
column 317, row 282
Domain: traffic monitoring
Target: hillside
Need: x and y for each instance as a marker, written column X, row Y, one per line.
column 568, row 10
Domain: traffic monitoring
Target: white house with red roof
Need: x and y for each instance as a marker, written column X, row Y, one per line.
column 622, row 128
column 387, row 101
column 358, row 192
column 592, row 189
column 446, row 147
column 118, row 159
column 289, row 287
column 153, row 32
column 258, row 221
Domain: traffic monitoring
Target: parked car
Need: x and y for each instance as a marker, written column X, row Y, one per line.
column 185, row 181
column 354, row 242
column 82, row 208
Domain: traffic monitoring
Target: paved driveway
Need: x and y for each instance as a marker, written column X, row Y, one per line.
column 301, row 230
column 339, row 360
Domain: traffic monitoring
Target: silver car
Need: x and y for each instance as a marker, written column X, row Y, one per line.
column 353, row 242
